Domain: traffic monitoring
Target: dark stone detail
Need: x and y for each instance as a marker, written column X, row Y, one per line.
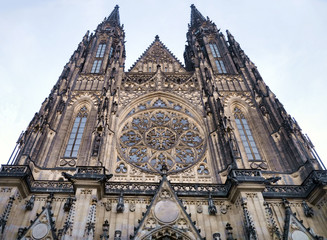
column 105, row 230
column 211, row 206
column 68, row 204
column 30, row 203
column 315, row 179
column 21, row 232
column 216, row 236
column 117, row 235
column 246, row 175
column 268, row 181
column 96, row 145
column 308, row 211
column 120, row 205
column 5, row 214
column 248, row 221
column 88, row 170
column 229, row 232
column 181, row 189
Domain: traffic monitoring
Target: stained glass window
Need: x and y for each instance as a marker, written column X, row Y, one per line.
column 76, row 134
column 249, row 144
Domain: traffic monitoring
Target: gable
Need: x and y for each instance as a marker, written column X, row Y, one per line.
column 166, row 217
column 157, row 54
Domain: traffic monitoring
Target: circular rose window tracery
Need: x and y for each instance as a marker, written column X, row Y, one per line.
column 152, row 137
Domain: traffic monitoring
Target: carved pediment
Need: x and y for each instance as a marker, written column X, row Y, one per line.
column 166, row 217
column 157, row 54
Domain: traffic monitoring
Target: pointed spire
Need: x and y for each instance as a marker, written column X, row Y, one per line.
column 196, row 17
column 114, row 16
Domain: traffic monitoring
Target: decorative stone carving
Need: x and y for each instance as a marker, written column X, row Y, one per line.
column 30, row 203
column 308, row 211
column 151, row 138
column 132, row 207
column 108, row 206
column 120, row 205
column 211, row 206
column 105, row 231
column 199, row 208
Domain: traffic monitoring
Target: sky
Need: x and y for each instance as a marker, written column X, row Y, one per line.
column 286, row 39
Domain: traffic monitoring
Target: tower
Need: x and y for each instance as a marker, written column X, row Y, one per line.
column 162, row 150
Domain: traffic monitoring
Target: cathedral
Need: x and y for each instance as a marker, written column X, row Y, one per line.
column 163, row 150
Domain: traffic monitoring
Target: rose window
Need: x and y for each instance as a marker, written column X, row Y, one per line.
column 153, row 137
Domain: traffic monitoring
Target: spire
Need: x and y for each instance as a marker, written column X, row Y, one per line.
column 114, row 16
column 196, row 17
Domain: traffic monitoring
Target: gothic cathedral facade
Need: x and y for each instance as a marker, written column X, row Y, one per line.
column 162, row 151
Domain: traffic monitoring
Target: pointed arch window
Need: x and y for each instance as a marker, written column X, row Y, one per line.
column 76, row 134
column 250, row 147
column 218, row 59
column 101, row 50
column 96, row 66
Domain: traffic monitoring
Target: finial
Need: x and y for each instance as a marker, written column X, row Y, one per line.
column 164, row 169
column 157, row 38
column 192, row 6
column 116, row 6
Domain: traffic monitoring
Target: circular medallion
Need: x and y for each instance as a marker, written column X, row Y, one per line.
column 40, row 231
column 299, row 235
column 166, row 211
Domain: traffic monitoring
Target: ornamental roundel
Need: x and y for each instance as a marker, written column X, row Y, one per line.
column 161, row 132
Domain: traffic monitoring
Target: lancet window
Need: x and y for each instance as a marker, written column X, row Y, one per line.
column 101, row 50
column 76, row 134
column 249, row 144
column 218, row 59
column 98, row 58
column 96, row 66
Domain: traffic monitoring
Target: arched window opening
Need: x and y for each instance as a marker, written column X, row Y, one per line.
column 76, row 134
column 101, row 50
column 218, row 59
column 250, row 147
column 98, row 58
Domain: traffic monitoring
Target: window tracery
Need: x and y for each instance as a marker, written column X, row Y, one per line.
column 249, row 144
column 158, row 132
column 76, row 134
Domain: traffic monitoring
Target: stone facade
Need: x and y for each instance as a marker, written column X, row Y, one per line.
column 162, row 151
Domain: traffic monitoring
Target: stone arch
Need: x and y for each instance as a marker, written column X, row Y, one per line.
column 167, row 233
column 161, row 128
column 251, row 116
column 196, row 115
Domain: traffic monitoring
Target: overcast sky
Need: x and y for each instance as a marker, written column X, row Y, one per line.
column 286, row 39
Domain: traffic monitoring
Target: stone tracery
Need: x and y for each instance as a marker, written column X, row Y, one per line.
column 161, row 132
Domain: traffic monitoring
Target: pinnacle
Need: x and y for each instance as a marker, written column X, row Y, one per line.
column 157, row 38
column 196, row 17
column 114, row 16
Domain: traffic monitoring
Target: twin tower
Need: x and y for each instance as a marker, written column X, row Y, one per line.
column 164, row 150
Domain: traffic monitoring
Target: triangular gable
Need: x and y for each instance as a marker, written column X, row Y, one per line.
column 166, row 216
column 157, row 54
column 294, row 229
column 43, row 227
